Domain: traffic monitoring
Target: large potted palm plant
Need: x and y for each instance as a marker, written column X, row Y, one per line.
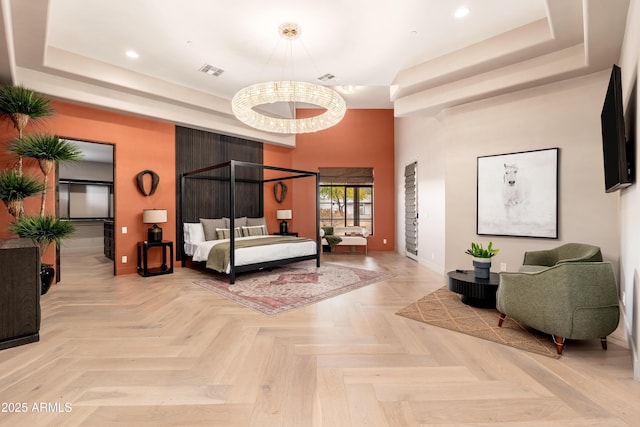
column 21, row 105
column 44, row 229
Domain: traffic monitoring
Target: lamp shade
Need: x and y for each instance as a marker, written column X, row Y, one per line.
column 283, row 214
column 154, row 216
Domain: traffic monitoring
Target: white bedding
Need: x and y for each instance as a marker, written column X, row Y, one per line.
column 255, row 254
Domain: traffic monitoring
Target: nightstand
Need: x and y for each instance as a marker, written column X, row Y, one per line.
column 143, row 258
column 291, row 233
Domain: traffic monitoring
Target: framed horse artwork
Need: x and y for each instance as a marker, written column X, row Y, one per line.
column 518, row 194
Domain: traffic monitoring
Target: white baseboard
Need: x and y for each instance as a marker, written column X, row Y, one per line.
column 430, row 264
column 625, row 329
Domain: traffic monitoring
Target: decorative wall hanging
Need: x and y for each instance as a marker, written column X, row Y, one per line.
column 155, row 180
column 518, row 194
column 280, row 191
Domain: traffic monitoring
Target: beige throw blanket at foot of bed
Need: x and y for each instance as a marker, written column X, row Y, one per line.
column 219, row 255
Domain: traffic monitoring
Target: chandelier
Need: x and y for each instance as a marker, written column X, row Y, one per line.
column 290, row 91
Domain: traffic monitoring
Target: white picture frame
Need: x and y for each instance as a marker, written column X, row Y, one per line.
column 517, row 194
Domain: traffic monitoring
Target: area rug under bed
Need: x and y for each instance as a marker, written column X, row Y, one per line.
column 443, row 308
column 285, row 288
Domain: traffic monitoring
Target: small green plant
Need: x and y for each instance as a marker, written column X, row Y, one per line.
column 479, row 252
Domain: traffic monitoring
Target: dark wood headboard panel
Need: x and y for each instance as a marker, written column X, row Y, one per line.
column 206, row 198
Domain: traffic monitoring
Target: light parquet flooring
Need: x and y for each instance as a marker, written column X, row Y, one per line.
column 161, row 351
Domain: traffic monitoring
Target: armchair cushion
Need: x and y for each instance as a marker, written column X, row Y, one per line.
column 570, row 252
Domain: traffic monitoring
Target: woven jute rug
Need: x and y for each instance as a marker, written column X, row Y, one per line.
column 444, row 309
column 285, row 288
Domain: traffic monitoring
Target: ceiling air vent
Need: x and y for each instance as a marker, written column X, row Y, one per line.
column 326, row 77
column 211, row 70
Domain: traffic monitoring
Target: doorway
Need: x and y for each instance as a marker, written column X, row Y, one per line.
column 85, row 197
column 411, row 210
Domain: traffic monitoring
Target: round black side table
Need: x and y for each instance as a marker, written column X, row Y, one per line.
column 475, row 292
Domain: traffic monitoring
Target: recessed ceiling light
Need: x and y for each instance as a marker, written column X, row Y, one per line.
column 461, row 12
column 132, row 54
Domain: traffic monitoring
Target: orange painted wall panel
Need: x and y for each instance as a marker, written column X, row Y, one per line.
column 364, row 138
column 139, row 144
column 277, row 156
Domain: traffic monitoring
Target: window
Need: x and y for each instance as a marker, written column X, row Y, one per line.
column 346, row 197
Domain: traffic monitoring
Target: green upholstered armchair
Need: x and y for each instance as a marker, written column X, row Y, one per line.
column 571, row 300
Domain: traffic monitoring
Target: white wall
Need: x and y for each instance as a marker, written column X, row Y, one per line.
column 423, row 140
column 564, row 115
column 630, row 197
column 91, row 171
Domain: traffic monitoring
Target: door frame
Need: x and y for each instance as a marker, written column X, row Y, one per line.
column 57, row 196
column 416, row 219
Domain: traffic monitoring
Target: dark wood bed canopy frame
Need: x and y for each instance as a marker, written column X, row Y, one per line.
column 232, row 166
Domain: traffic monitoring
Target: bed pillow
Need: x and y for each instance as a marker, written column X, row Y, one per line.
column 252, row 222
column 223, row 233
column 193, row 232
column 210, row 226
column 256, row 230
column 239, row 222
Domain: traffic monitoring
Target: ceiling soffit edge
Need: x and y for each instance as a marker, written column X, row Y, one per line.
column 590, row 42
column 83, row 93
column 65, row 63
column 522, row 43
column 567, row 63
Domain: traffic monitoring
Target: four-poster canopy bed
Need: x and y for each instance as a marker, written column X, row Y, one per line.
column 233, row 248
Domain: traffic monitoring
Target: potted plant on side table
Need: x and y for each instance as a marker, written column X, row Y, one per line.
column 482, row 259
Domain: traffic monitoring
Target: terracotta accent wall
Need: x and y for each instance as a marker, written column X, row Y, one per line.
column 277, row 156
column 364, row 138
column 140, row 144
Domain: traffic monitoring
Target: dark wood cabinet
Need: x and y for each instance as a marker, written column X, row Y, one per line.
column 19, row 292
column 289, row 233
column 109, row 241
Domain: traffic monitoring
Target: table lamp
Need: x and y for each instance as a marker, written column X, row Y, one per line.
column 284, row 215
column 154, row 216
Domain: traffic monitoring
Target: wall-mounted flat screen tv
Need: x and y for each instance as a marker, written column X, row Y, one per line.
column 618, row 169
